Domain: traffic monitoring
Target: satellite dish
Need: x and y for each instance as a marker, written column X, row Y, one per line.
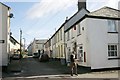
column 11, row 15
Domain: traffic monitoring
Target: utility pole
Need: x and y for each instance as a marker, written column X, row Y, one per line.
column 24, row 44
column 20, row 43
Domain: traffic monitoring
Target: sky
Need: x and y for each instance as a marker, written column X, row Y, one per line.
column 40, row 19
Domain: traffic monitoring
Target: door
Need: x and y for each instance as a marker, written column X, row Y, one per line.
column 68, row 54
column 80, row 53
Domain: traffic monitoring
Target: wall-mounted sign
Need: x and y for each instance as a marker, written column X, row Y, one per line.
column 2, row 41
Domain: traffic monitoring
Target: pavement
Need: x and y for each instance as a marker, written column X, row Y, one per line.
column 53, row 70
column 15, row 66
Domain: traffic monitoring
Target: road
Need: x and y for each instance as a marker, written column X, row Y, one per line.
column 31, row 69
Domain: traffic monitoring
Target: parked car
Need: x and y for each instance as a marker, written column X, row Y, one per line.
column 43, row 58
column 16, row 56
column 35, row 55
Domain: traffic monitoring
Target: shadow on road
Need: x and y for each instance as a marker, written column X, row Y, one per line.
column 32, row 67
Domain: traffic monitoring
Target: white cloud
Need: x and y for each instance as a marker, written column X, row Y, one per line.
column 113, row 3
column 34, row 32
column 39, row 33
column 19, row 0
column 46, row 7
column 97, row 4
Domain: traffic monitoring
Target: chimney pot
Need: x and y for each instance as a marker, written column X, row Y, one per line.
column 81, row 4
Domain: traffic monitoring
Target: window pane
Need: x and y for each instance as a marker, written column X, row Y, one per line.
column 112, row 47
column 78, row 28
column 108, row 47
column 108, row 53
column 112, row 50
column 115, row 47
column 115, row 53
column 111, row 26
column 80, row 47
column 81, row 51
column 112, row 53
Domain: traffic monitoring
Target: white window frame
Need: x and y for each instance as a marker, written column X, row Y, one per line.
column 110, row 50
column 68, row 35
column 78, row 29
column 61, row 34
column 80, row 54
column 112, row 26
column 72, row 33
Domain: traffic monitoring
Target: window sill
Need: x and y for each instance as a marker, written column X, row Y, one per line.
column 73, row 37
column 112, row 32
column 78, row 34
column 68, row 39
column 114, row 58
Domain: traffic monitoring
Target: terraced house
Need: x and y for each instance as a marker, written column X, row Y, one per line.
column 92, row 35
column 55, row 46
column 14, row 46
column 95, row 38
column 36, row 46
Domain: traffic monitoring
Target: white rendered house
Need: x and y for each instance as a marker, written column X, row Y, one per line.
column 4, row 34
column 94, row 37
column 36, row 45
column 14, row 46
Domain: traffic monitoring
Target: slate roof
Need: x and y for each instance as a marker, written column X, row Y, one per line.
column 106, row 12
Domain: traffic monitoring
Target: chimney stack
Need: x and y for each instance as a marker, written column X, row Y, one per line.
column 81, row 4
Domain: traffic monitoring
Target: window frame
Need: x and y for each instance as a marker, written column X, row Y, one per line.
column 68, row 35
column 36, row 46
column 78, row 29
column 110, row 50
column 61, row 34
column 110, row 27
column 72, row 33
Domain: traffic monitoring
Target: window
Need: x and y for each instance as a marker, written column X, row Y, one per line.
column 72, row 33
column 58, row 37
column 55, row 39
column 112, row 50
column 36, row 46
column 80, row 53
column 68, row 35
column 61, row 34
column 78, row 30
column 111, row 26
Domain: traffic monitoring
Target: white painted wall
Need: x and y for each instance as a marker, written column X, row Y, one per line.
column 4, row 31
column 60, row 50
column 82, row 40
column 30, row 49
column 67, row 47
column 98, row 38
column 94, row 39
column 54, row 53
column 38, row 45
column 13, row 47
column 0, row 35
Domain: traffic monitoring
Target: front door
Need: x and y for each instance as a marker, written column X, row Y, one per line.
column 80, row 53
